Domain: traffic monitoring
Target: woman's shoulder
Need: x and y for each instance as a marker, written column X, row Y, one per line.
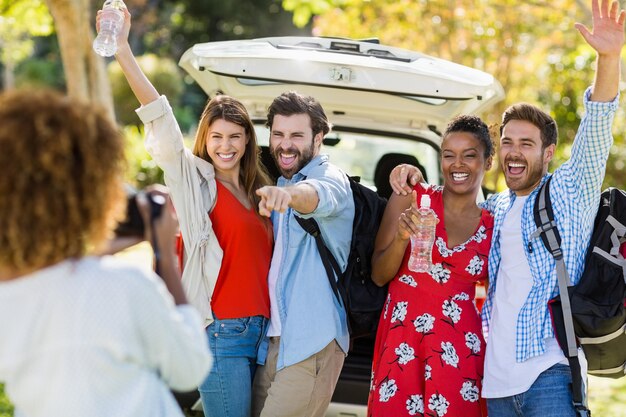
column 487, row 219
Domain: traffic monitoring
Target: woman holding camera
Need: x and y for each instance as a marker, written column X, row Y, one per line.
column 83, row 335
column 213, row 189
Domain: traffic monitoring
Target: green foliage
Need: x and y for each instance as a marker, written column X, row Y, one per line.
column 6, row 409
column 531, row 47
column 37, row 72
column 183, row 23
column 304, row 10
column 20, row 20
column 164, row 74
column 142, row 170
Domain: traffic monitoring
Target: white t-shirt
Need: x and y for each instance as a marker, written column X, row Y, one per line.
column 97, row 337
column 275, row 327
column 503, row 376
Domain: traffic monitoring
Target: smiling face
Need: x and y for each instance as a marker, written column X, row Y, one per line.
column 226, row 145
column 463, row 162
column 522, row 156
column 292, row 143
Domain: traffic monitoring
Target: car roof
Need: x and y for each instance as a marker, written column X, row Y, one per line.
column 360, row 84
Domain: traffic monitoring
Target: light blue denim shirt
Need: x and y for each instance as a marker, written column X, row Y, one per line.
column 310, row 315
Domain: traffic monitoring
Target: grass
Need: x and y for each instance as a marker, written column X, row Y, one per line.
column 607, row 397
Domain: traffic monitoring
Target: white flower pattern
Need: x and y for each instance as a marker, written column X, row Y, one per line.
column 481, row 234
column 387, row 390
column 428, row 372
column 408, row 280
column 448, row 354
column 439, row 273
column 469, row 392
column 424, row 323
column 472, row 341
column 438, row 404
column 399, row 311
column 405, row 353
column 415, row 404
column 452, row 310
column 475, row 266
column 461, row 297
column 442, row 248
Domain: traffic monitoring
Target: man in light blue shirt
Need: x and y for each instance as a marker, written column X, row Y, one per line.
column 526, row 373
column 307, row 339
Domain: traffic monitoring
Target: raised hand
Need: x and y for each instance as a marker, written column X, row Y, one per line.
column 122, row 36
column 607, row 33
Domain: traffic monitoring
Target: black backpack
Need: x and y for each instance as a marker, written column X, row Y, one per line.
column 354, row 288
column 594, row 314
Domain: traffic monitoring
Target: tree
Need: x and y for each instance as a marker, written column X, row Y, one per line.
column 19, row 22
column 84, row 70
column 531, row 47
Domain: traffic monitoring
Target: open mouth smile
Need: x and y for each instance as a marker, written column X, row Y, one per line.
column 515, row 168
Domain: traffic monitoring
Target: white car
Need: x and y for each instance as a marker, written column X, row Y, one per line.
column 387, row 106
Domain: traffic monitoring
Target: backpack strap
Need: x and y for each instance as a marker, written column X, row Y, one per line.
column 546, row 228
column 549, row 233
column 330, row 263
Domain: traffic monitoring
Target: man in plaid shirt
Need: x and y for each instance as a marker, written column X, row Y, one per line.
column 526, row 373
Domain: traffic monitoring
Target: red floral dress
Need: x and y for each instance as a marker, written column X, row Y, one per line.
column 429, row 352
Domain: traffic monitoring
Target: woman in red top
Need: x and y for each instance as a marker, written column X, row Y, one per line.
column 429, row 351
column 239, row 299
column 240, row 302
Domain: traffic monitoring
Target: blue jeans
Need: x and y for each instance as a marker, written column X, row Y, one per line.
column 227, row 390
column 549, row 396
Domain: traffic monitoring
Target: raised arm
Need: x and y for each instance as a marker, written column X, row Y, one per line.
column 607, row 38
column 393, row 236
column 139, row 83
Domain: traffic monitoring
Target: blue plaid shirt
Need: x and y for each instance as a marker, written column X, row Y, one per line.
column 575, row 193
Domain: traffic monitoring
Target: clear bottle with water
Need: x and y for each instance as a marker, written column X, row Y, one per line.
column 422, row 241
column 111, row 22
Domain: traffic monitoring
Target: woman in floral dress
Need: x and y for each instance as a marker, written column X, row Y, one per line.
column 429, row 352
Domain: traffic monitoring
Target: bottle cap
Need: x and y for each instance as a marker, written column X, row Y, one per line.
column 425, row 201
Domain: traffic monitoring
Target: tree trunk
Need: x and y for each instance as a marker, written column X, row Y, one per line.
column 85, row 71
column 8, row 75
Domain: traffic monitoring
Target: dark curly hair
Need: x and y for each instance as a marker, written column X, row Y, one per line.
column 475, row 126
column 290, row 103
column 61, row 190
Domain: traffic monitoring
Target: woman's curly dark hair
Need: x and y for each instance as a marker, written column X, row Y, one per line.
column 475, row 126
column 61, row 189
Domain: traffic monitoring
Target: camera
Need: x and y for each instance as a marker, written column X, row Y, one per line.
column 134, row 225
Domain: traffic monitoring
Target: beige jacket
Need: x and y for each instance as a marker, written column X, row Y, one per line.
column 191, row 181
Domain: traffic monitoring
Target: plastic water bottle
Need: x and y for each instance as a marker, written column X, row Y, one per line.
column 422, row 241
column 111, row 22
